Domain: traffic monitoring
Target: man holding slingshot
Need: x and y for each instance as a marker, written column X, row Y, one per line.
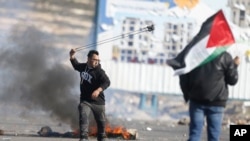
column 93, row 82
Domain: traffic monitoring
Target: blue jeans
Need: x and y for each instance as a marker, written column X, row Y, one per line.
column 213, row 115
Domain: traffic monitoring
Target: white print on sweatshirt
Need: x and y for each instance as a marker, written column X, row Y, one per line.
column 85, row 76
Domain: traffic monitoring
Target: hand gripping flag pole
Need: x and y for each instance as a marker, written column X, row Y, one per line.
column 148, row 28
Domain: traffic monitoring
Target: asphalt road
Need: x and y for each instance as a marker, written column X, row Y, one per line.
column 147, row 131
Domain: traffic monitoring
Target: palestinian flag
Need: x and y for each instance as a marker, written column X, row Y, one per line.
column 214, row 38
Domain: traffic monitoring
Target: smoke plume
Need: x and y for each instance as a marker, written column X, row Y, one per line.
column 33, row 72
column 35, row 77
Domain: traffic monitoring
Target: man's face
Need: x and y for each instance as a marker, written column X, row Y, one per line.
column 93, row 61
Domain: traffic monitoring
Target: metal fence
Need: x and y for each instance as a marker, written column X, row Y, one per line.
column 159, row 79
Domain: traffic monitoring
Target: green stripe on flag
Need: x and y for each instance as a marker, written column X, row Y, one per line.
column 213, row 55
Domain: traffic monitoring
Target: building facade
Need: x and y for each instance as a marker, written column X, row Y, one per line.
column 240, row 12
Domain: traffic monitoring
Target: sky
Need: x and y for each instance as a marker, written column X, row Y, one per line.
column 215, row 4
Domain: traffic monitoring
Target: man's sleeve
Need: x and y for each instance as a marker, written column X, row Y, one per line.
column 231, row 72
column 184, row 86
column 75, row 64
column 104, row 80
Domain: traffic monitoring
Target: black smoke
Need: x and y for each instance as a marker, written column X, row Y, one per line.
column 35, row 77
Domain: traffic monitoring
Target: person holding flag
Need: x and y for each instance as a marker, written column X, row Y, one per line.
column 205, row 70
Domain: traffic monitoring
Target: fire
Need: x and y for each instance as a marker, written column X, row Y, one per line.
column 118, row 131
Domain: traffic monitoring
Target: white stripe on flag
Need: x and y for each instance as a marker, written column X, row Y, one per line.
column 197, row 54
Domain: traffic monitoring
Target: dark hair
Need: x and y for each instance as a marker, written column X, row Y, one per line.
column 92, row 52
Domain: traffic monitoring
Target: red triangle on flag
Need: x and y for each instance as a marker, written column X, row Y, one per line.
column 220, row 33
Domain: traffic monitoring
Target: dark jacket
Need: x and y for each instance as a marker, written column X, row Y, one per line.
column 91, row 79
column 208, row 84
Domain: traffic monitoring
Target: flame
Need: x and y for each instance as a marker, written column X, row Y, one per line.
column 118, row 131
column 112, row 132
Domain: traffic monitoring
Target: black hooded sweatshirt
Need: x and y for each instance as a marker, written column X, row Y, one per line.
column 91, row 79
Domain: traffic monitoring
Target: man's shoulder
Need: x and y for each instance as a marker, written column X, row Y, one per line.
column 82, row 65
column 227, row 56
column 226, row 53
